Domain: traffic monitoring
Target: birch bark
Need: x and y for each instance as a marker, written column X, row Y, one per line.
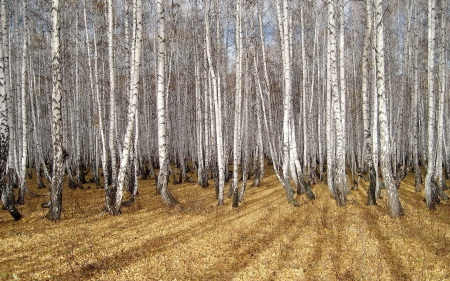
column 217, row 108
column 340, row 188
column 131, row 116
column 6, row 189
column 237, row 105
column 162, row 110
column 288, row 133
column 371, row 196
column 112, row 94
column 54, row 212
column 414, row 106
column 441, row 102
column 385, row 145
column 23, row 107
column 431, row 192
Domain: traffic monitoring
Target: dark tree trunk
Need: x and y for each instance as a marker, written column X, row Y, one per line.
column 289, row 192
column 304, row 188
column 162, row 187
column 145, row 171
column 6, row 189
column 21, row 196
column 433, row 197
column 417, row 177
column 203, row 181
column 257, row 173
column 40, row 184
column 215, row 175
column 184, row 168
column 371, row 192
column 81, row 174
column 132, row 186
column 171, row 173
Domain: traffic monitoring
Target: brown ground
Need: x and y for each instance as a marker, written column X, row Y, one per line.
column 263, row 239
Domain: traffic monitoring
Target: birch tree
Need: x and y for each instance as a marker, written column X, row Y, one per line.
column 202, row 178
column 290, row 163
column 24, row 143
column 56, row 189
column 112, row 94
column 162, row 110
column 414, row 106
column 385, row 145
column 115, row 194
column 371, row 197
column 431, row 188
column 337, row 166
column 441, row 103
column 6, row 189
column 217, row 108
column 237, row 104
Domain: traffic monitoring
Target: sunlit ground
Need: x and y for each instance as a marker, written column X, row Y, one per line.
column 263, row 239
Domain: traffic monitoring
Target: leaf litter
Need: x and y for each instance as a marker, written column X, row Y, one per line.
column 263, row 239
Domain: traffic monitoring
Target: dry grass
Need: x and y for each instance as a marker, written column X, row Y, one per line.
column 263, row 239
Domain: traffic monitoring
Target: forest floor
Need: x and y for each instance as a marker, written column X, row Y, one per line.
column 263, row 239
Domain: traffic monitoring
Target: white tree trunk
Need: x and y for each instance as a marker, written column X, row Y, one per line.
column 329, row 112
column 162, row 110
column 54, row 212
column 385, row 145
column 441, row 102
column 340, row 188
column 112, row 94
column 131, row 116
column 375, row 123
column 304, row 81
column 371, row 196
column 288, row 134
column 78, row 159
column 100, row 115
column 237, row 105
column 202, row 180
column 415, row 108
column 6, row 189
column 431, row 195
column 23, row 160
column 342, row 85
column 217, row 109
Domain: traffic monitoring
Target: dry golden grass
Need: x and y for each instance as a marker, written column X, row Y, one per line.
column 263, row 239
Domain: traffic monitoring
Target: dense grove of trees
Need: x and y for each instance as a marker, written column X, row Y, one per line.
column 332, row 90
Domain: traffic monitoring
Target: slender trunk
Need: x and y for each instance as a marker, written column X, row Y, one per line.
column 217, row 109
column 112, row 95
column 100, row 116
column 38, row 157
column 162, row 110
column 431, row 192
column 131, row 118
column 371, row 196
column 237, row 105
column 24, row 152
column 340, row 188
column 304, row 74
column 6, row 189
column 375, row 123
column 111, row 191
column 54, row 212
column 385, row 145
column 202, row 179
column 329, row 113
column 283, row 26
column 440, row 110
column 415, row 108
column 78, row 158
